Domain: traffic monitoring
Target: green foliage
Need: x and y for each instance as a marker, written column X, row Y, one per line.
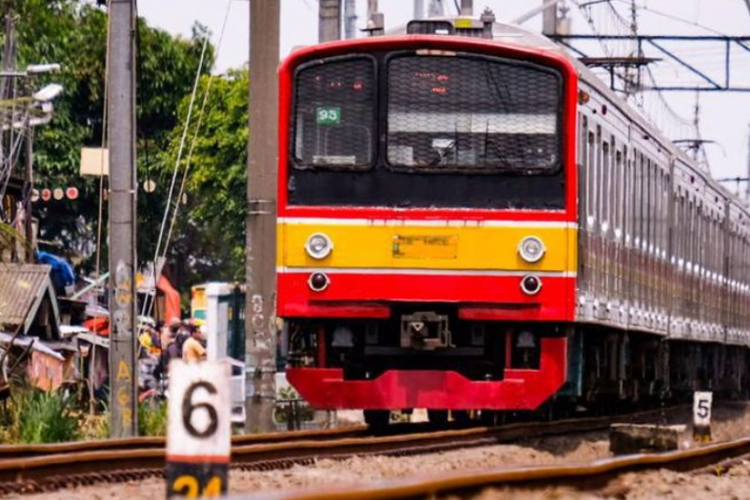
column 152, row 418
column 43, row 417
column 290, row 402
column 73, row 33
column 210, row 237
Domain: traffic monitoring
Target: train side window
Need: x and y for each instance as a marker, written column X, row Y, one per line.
column 665, row 217
column 583, row 170
column 627, row 194
column 658, row 206
column 606, row 197
column 620, row 200
column 591, row 173
column 583, row 134
column 638, row 207
column 599, row 210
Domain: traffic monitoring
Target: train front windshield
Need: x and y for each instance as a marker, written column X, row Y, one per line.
column 414, row 129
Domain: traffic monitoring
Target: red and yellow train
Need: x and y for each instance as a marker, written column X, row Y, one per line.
column 472, row 220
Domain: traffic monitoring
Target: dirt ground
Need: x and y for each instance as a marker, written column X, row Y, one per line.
column 734, row 485
column 360, row 471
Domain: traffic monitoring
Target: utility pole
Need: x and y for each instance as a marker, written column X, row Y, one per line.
column 549, row 18
column 28, row 183
column 436, row 9
column 122, row 220
column 418, row 9
column 329, row 20
column 375, row 19
column 350, row 19
column 260, row 265
column 467, row 7
column 9, row 51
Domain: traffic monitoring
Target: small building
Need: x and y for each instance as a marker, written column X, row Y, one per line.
column 30, row 325
column 28, row 304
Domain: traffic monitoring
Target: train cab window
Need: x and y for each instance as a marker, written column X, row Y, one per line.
column 469, row 113
column 334, row 114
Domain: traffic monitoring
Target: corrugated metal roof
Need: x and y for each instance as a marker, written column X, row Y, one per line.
column 22, row 287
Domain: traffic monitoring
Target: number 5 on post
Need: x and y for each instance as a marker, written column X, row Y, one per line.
column 199, row 429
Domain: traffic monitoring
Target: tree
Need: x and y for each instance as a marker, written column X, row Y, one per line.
column 73, row 33
column 209, row 240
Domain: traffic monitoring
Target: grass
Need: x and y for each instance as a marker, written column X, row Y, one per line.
column 36, row 417
column 152, row 418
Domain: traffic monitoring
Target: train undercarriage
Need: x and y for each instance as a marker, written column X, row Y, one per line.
column 430, row 357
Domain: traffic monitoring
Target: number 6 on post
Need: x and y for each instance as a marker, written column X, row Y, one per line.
column 199, row 429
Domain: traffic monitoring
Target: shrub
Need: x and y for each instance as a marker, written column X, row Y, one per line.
column 152, row 418
column 43, row 417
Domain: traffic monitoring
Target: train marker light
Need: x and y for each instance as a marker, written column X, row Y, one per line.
column 319, row 246
column 531, row 285
column 531, row 249
column 318, row 282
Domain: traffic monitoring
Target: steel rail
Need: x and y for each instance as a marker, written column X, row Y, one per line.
column 55, row 471
column 28, row 451
column 585, row 476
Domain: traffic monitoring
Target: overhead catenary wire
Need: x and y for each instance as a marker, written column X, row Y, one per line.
column 157, row 269
column 188, row 163
column 101, row 160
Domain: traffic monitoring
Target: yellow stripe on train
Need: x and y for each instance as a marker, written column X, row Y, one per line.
column 434, row 246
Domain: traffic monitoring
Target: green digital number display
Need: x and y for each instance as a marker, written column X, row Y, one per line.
column 328, row 115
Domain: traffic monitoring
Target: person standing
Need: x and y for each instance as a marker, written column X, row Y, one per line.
column 193, row 350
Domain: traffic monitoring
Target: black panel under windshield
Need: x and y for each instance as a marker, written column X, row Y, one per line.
column 493, row 143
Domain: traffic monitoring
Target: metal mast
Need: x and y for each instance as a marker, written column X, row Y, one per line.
column 436, row 8
column 419, row 9
column 260, row 266
column 350, row 19
column 549, row 18
column 122, row 220
column 329, row 20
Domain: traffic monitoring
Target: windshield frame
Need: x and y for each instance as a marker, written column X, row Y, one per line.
column 297, row 162
column 473, row 170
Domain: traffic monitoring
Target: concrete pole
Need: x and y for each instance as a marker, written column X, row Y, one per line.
column 122, row 219
column 9, row 51
column 260, row 265
column 418, row 9
column 350, row 19
column 28, row 181
column 436, row 9
column 329, row 20
column 467, row 7
column 549, row 18
column 375, row 19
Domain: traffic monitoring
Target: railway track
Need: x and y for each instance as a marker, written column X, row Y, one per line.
column 90, row 463
column 156, row 443
column 585, row 476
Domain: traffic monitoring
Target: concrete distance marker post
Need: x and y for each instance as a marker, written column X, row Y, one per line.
column 702, row 416
column 199, row 429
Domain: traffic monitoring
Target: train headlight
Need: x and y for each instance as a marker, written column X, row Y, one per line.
column 318, row 282
column 318, row 246
column 531, row 285
column 531, row 249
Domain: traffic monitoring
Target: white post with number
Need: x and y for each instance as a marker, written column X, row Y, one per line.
column 702, row 416
column 199, row 429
